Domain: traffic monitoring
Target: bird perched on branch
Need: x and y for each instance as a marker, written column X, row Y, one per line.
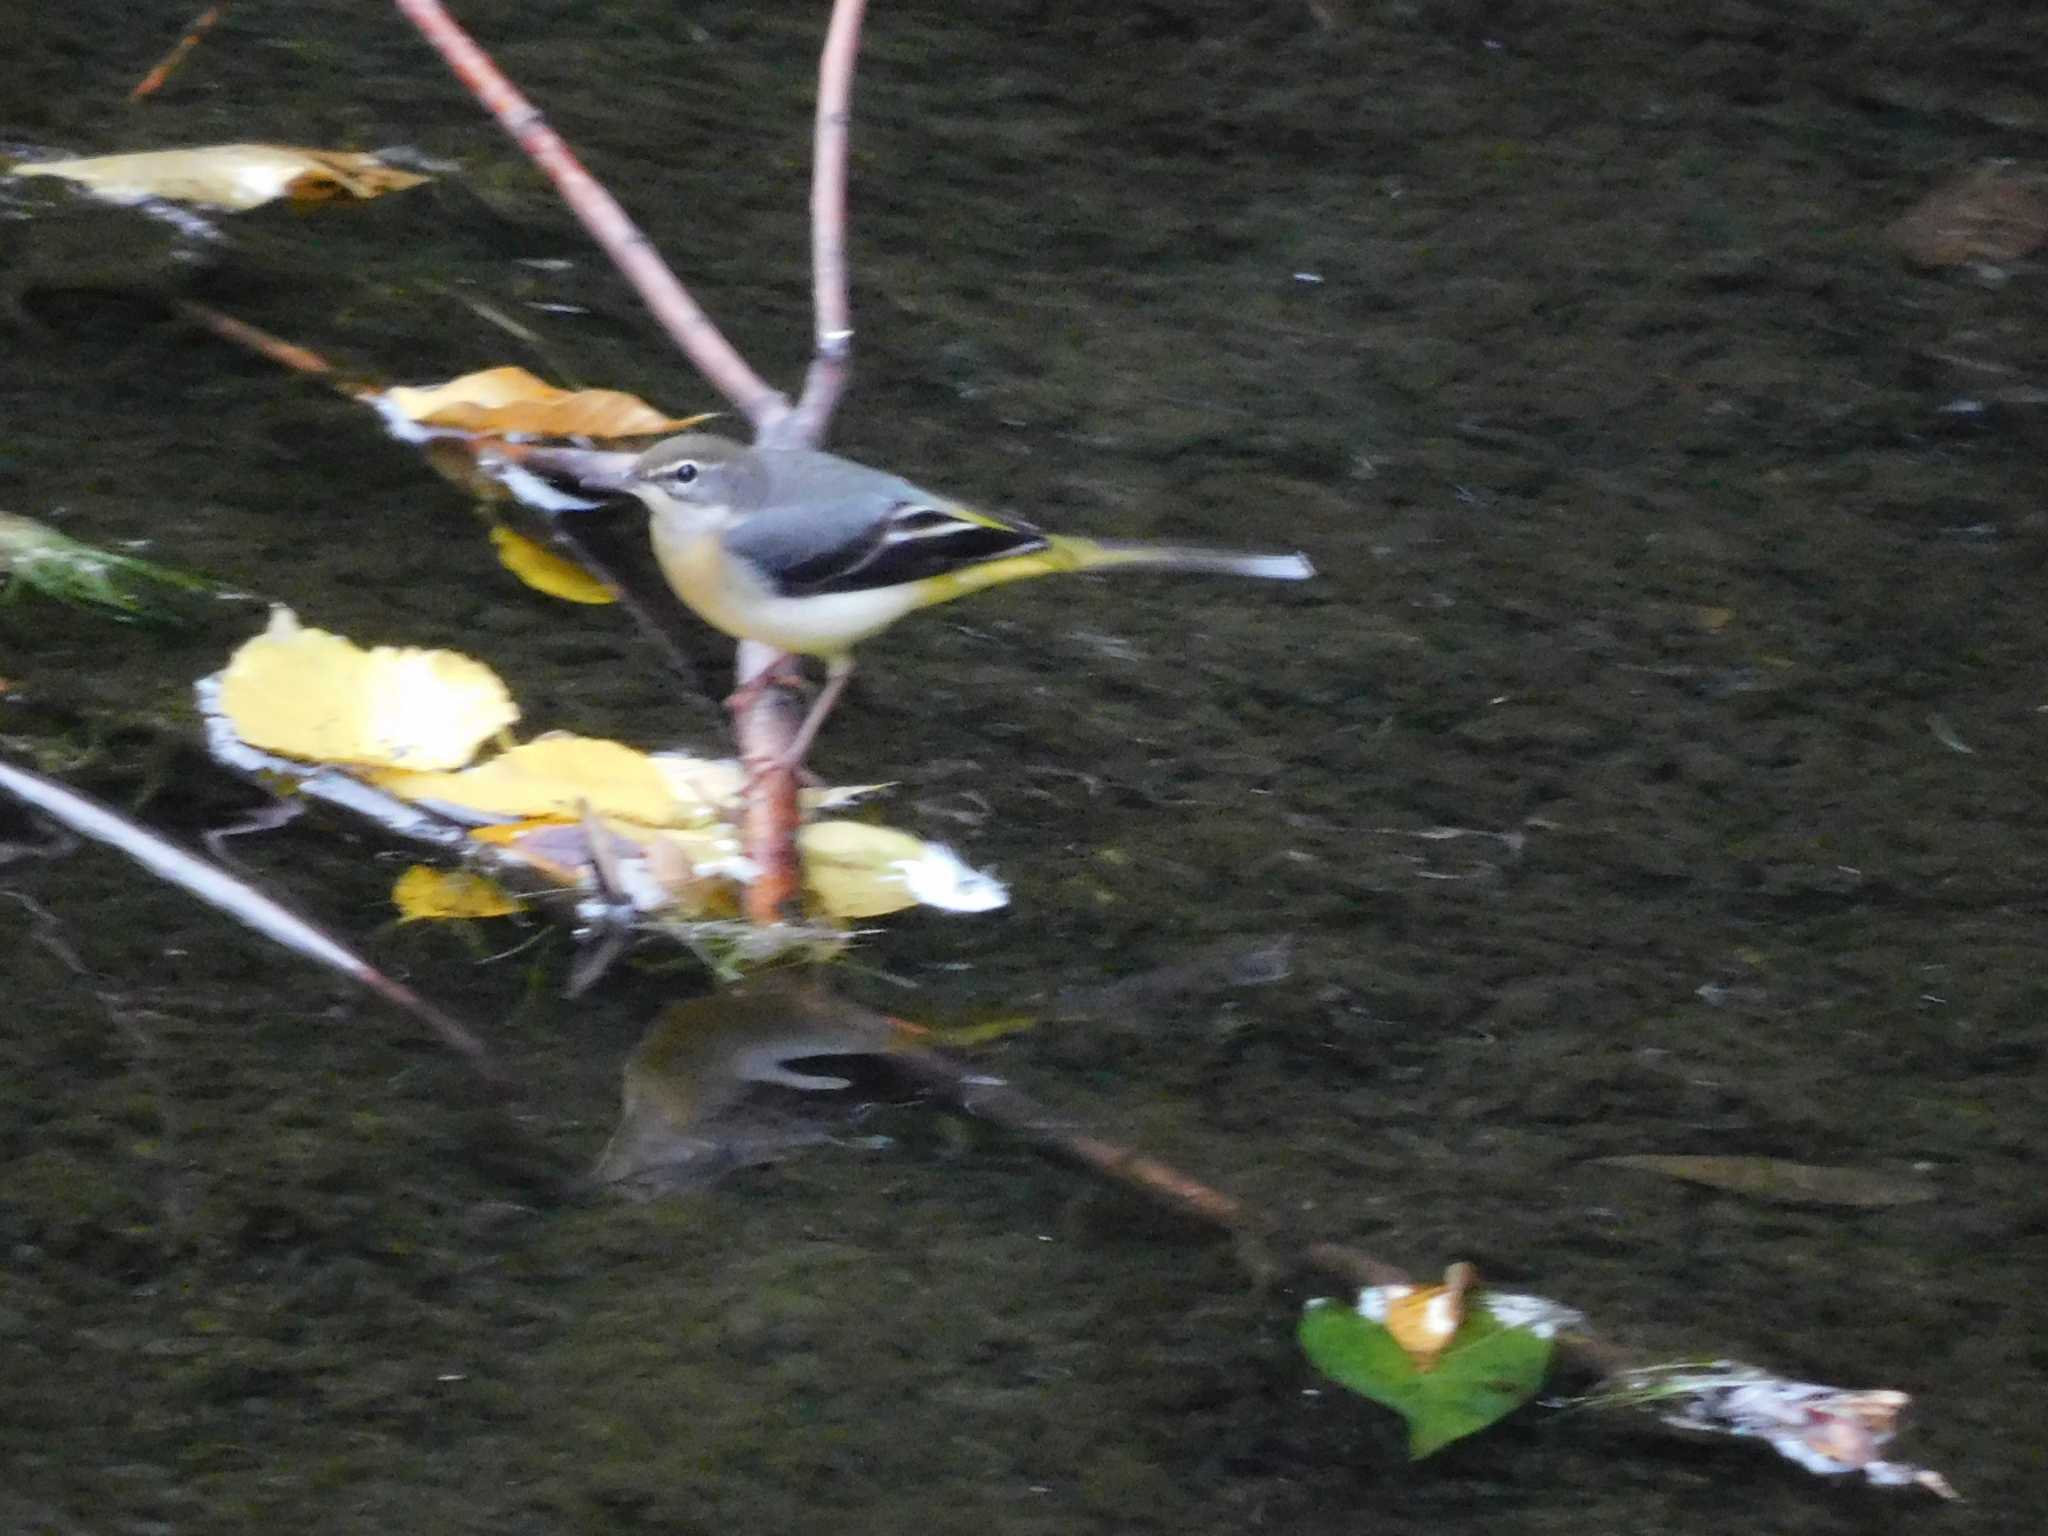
column 812, row 554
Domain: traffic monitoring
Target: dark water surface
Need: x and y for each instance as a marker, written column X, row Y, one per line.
column 1564, row 338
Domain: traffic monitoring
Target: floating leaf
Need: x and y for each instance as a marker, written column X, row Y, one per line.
column 709, row 788
column 1774, row 1178
column 545, row 571
column 426, row 894
column 852, row 869
column 551, row 776
column 1487, row 1369
column 230, row 177
column 514, row 400
column 316, row 696
column 1821, row 1428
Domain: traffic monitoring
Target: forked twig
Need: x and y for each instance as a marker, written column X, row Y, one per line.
column 764, row 725
column 609, row 224
column 832, row 354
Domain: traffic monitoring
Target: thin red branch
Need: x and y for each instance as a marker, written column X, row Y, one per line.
column 764, row 726
column 167, row 66
column 609, row 224
column 288, row 354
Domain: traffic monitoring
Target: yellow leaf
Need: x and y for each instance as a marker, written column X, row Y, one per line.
column 230, row 177
column 550, row 776
column 852, row 869
column 545, row 571
column 424, row 893
column 317, row 696
column 513, row 400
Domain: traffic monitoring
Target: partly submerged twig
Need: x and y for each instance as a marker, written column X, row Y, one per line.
column 241, row 900
column 1823, row 1429
column 994, row 1100
column 248, row 337
column 201, row 24
column 609, row 224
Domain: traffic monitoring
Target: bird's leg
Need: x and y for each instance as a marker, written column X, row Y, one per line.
column 837, row 673
column 782, row 671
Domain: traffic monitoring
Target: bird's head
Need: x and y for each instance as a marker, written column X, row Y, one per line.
column 698, row 480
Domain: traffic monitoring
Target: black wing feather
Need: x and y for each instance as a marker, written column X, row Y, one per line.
column 892, row 551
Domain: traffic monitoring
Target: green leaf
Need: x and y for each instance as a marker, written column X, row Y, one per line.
column 1486, row 1372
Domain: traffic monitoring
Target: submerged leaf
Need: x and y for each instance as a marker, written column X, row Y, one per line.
column 1995, row 213
column 1487, row 1368
column 426, row 894
column 230, row 177
column 1775, row 1178
column 87, row 576
column 545, row 571
column 513, row 400
column 319, row 697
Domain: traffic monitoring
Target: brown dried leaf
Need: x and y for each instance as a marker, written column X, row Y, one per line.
column 513, row 400
column 231, row 177
column 1775, row 1178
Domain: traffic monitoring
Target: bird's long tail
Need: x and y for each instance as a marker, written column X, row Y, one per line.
column 1098, row 554
column 1062, row 552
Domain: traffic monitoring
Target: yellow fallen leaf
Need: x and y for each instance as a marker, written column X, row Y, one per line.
column 551, row 776
column 513, row 400
column 319, row 697
column 1776, row 1178
column 852, row 869
column 709, row 788
column 545, row 571
column 426, row 894
column 230, row 177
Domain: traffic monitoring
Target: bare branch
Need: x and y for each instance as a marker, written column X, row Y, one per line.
column 609, row 224
column 832, row 356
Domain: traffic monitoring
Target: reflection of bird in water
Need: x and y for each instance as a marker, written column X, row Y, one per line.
column 677, row 1125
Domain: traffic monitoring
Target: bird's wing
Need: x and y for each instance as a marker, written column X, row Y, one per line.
column 845, row 545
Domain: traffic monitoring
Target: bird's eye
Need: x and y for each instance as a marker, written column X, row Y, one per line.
column 682, row 474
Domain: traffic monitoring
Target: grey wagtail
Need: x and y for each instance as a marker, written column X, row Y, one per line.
column 811, row 553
